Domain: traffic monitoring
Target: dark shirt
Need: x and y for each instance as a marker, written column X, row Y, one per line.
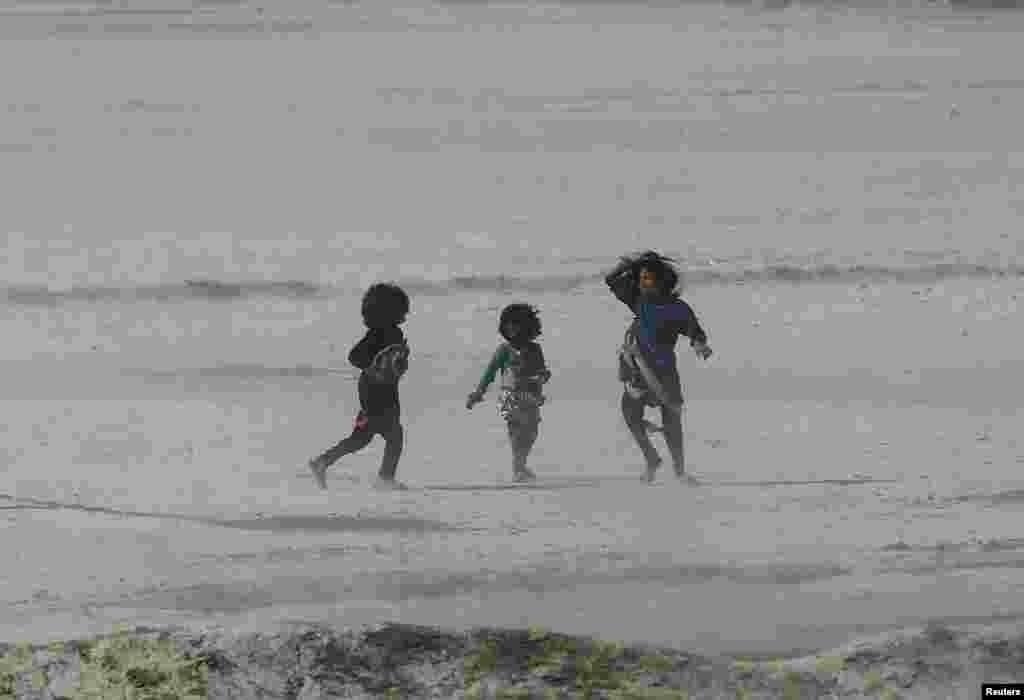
column 660, row 320
column 376, row 399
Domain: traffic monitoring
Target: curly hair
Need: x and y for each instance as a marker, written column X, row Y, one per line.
column 384, row 305
column 523, row 315
column 661, row 266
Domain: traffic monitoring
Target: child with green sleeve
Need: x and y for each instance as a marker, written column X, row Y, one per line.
column 524, row 372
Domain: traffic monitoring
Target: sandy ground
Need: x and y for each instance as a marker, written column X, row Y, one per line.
column 862, row 474
column 858, row 442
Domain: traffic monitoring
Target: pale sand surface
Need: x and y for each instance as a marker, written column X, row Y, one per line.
column 203, row 512
column 153, row 451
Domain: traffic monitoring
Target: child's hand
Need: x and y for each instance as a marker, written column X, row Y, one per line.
column 703, row 350
column 473, row 399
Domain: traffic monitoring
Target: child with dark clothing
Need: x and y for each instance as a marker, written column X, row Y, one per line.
column 523, row 375
column 647, row 283
column 383, row 357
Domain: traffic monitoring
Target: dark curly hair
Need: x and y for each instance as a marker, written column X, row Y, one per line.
column 663, row 269
column 384, row 305
column 525, row 316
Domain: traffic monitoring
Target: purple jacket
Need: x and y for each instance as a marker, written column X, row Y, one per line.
column 660, row 320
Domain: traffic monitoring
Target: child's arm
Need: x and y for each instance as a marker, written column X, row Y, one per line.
column 545, row 373
column 691, row 328
column 620, row 281
column 364, row 351
column 375, row 340
column 498, row 362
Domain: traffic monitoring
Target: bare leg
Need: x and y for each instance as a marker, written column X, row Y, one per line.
column 394, row 441
column 633, row 413
column 360, row 438
column 522, row 435
column 671, row 421
column 353, row 443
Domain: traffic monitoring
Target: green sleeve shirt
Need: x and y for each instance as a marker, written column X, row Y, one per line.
column 499, row 362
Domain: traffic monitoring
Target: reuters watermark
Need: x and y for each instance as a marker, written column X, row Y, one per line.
column 1002, row 690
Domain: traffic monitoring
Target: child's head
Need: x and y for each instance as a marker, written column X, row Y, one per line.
column 655, row 274
column 519, row 323
column 385, row 305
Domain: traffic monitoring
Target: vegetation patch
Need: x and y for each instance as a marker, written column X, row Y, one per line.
column 791, row 686
column 498, row 664
column 587, row 673
column 595, row 671
column 12, row 665
column 830, row 664
column 638, row 693
column 118, row 667
column 743, row 667
column 872, row 681
column 554, row 652
column 656, row 664
column 482, row 663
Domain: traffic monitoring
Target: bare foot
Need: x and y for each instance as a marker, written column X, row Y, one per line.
column 390, row 485
column 319, row 470
column 652, row 470
column 524, row 474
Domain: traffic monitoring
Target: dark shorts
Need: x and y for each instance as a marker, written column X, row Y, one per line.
column 378, row 424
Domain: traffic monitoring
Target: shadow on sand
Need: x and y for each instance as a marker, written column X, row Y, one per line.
column 805, row 482
column 541, row 484
column 272, row 523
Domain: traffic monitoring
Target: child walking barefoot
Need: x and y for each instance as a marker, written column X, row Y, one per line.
column 383, row 357
column 647, row 284
column 523, row 374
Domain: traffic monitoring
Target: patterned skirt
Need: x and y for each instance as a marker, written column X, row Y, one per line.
column 633, row 382
column 638, row 391
column 520, row 406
